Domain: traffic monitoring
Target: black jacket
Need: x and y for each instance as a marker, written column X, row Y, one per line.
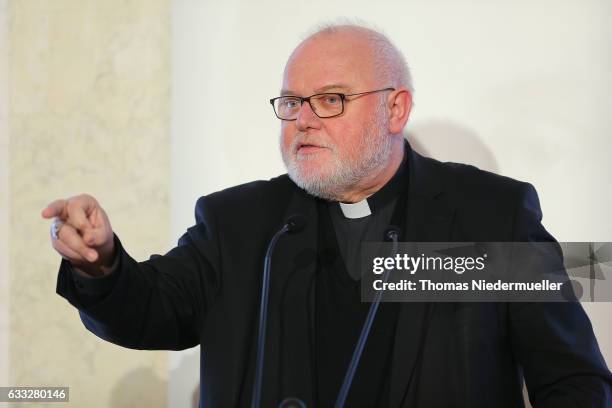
column 206, row 291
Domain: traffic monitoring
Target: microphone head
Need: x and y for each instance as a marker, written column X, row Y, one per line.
column 295, row 223
column 292, row 403
column 392, row 233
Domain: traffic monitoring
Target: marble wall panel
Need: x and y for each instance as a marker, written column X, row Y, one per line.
column 4, row 216
column 88, row 106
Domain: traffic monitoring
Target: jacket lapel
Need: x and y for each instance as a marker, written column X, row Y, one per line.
column 428, row 218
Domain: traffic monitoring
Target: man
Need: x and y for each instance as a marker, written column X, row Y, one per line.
column 345, row 99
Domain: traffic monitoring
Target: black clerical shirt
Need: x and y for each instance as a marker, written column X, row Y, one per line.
column 340, row 314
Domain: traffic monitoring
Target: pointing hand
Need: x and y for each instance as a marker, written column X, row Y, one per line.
column 81, row 233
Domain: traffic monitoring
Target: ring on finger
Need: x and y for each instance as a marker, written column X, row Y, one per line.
column 56, row 225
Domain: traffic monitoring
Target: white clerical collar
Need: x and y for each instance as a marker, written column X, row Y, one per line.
column 356, row 210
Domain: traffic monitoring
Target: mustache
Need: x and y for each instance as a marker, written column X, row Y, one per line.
column 302, row 139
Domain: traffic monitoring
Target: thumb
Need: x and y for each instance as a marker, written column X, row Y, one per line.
column 96, row 237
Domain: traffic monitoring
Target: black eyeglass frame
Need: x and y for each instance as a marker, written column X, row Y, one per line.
column 307, row 99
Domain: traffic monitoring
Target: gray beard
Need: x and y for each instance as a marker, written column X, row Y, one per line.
column 376, row 152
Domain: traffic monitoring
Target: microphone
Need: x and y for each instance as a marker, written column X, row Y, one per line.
column 391, row 234
column 293, row 224
column 292, row 403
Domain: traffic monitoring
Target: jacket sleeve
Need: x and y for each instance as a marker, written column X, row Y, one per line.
column 156, row 304
column 554, row 342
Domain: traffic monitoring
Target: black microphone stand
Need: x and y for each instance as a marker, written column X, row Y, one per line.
column 293, row 224
column 392, row 234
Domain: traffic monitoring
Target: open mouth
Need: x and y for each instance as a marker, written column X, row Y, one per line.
column 309, row 148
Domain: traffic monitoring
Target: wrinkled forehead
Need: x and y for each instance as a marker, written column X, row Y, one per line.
column 330, row 58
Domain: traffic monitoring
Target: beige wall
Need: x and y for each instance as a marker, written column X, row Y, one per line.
column 3, row 200
column 88, row 111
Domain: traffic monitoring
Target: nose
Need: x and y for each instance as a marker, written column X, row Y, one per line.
column 306, row 118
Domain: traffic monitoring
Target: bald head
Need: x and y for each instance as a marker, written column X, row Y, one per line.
column 387, row 64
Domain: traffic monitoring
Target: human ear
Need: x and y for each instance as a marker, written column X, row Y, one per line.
column 399, row 104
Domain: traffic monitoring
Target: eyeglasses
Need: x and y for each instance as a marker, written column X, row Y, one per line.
column 324, row 105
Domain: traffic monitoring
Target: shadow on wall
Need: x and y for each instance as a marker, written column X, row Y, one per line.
column 183, row 390
column 445, row 140
column 139, row 388
column 195, row 397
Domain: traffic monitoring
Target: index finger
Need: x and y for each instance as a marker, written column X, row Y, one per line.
column 76, row 209
column 54, row 209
